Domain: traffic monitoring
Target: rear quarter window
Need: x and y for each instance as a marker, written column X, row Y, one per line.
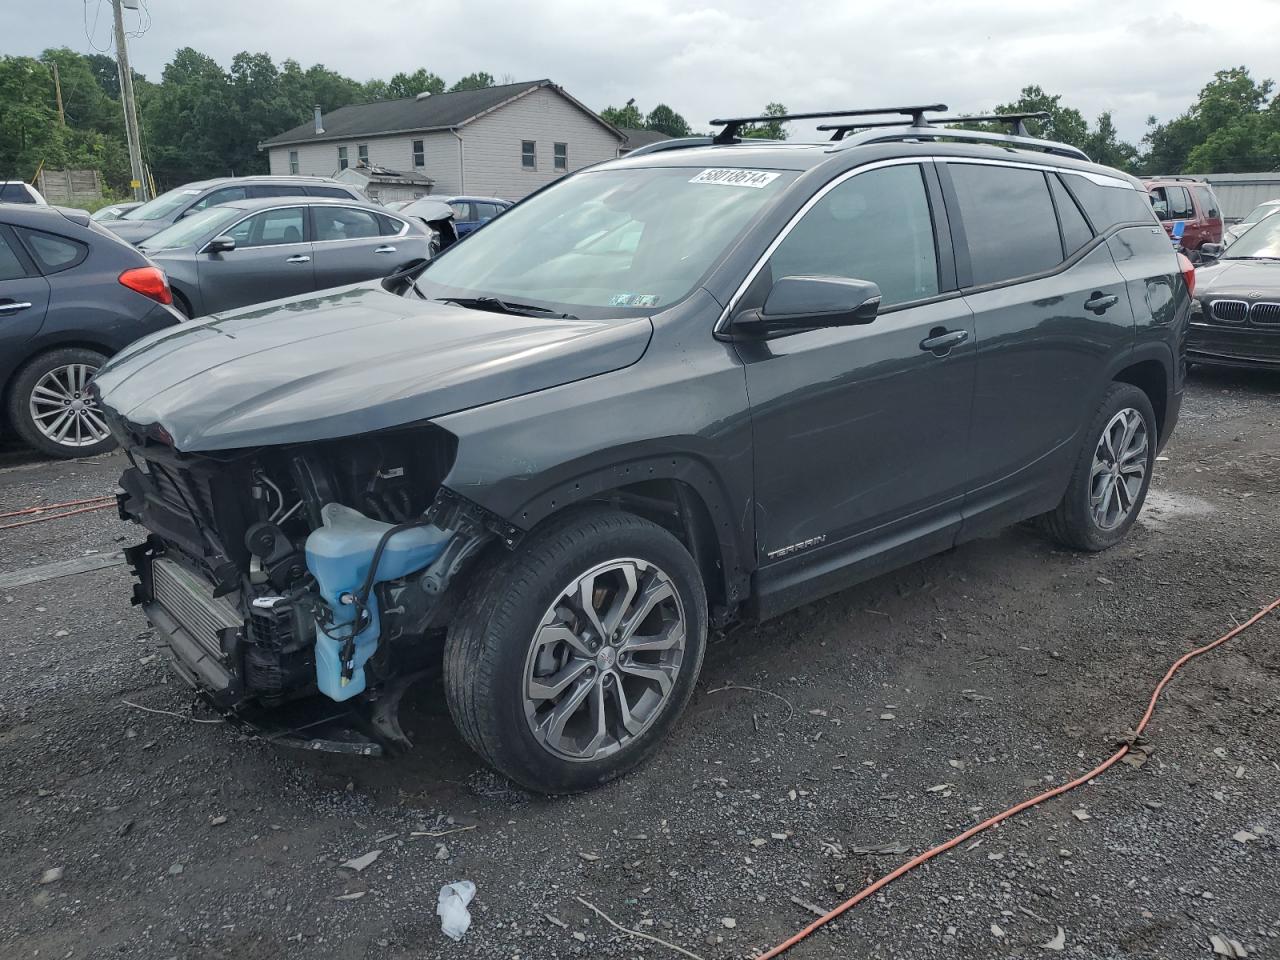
column 335, row 192
column 1108, row 206
column 51, row 252
column 1208, row 202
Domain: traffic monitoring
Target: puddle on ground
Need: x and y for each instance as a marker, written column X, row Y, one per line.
column 1164, row 509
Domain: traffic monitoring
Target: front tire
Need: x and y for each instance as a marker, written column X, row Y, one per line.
column 571, row 658
column 1112, row 473
column 50, row 406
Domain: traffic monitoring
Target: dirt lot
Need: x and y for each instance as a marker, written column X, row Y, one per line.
column 886, row 718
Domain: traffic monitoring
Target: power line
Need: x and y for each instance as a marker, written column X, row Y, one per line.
column 90, row 32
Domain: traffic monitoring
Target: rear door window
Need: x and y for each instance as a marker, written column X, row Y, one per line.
column 1179, row 203
column 10, row 266
column 874, row 226
column 275, row 190
column 270, row 228
column 222, row 195
column 1009, row 221
column 1075, row 229
column 52, row 252
column 461, row 210
column 335, row 192
column 345, row 223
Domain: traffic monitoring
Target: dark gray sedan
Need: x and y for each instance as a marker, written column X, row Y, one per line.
column 251, row 251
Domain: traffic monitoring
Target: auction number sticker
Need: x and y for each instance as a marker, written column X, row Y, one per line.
column 732, row 177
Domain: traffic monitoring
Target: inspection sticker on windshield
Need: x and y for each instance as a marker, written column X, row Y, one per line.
column 736, row 178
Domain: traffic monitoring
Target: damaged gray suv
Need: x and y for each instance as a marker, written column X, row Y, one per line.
column 712, row 380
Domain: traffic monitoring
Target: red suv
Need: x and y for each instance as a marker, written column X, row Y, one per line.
column 1190, row 202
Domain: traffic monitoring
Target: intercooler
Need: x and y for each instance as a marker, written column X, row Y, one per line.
column 189, row 600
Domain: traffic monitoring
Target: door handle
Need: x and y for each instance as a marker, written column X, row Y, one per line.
column 385, row 249
column 1100, row 301
column 13, row 307
column 941, row 340
column 299, row 258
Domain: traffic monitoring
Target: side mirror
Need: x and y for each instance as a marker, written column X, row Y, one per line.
column 1211, row 251
column 803, row 302
column 222, row 244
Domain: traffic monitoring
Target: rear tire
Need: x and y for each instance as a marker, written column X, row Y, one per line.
column 1111, row 476
column 560, row 699
column 50, row 407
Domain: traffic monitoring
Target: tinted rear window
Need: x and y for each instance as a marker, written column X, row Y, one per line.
column 1109, row 206
column 15, row 193
column 1009, row 223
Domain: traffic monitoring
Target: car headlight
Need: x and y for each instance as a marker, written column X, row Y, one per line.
column 1197, row 308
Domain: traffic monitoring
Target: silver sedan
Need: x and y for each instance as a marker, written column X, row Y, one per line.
column 251, row 251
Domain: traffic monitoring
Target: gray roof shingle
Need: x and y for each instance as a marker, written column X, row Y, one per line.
column 436, row 112
column 638, row 137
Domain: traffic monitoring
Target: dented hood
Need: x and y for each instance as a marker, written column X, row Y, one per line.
column 345, row 362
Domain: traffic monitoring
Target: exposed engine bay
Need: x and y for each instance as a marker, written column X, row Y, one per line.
column 310, row 572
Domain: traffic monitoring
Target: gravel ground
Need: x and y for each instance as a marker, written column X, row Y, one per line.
column 880, row 721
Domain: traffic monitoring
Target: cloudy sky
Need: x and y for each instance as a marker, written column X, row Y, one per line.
column 1134, row 58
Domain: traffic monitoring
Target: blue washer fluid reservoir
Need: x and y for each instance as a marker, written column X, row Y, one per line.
column 339, row 554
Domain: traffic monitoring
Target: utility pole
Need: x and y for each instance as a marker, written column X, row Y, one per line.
column 57, row 88
column 139, row 184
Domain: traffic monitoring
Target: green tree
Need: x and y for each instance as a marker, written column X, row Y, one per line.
column 473, row 81
column 628, row 116
column 770, row 130
column 665, row 120
column 412, row 84
column 1103, row 145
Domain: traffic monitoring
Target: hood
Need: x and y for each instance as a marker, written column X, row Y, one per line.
column 135, row 231
column 1239, row 278
column 351, row 360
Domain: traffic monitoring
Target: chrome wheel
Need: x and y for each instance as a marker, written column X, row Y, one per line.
column 604, row 659
column 62, row 409
column 1119, row 469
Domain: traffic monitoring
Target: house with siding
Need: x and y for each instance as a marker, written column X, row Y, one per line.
column 504, row 141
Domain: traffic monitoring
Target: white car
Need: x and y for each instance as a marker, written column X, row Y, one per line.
column 19, row 191
column 1261, row 211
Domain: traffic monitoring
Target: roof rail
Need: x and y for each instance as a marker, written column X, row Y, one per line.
column 676, row 143
column 733, row 125
column 1015, row 120
column 968, row 136
column 1173, row 177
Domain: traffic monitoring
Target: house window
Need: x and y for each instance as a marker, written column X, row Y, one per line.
column 362, row 151
column 529, row 154
column 419, row 154
column 342, row 158
column 562, row 156
column 293, row 161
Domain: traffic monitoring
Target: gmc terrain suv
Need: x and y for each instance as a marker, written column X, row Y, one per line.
column 711, row 380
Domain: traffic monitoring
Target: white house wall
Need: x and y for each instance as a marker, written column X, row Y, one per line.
column 491, row 146
column 394, row 153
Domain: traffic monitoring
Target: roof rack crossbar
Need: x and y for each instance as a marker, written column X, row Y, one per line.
column 1015, row 120
column 733, row 125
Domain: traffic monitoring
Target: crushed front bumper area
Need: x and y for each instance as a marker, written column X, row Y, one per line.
column 204, row 636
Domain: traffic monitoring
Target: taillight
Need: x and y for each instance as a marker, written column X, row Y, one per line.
column 150, row 282
column 1188, row 273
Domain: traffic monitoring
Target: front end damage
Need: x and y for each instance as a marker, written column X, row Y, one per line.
column 302, row 588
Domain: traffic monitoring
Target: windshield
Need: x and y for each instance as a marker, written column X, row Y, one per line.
column 1260, row 242
column 192, row 229
column 1260, row 211
column 609, row 239
column 162, row 206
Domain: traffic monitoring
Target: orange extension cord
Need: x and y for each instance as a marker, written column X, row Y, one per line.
column 99, row 503
column 954, row 842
